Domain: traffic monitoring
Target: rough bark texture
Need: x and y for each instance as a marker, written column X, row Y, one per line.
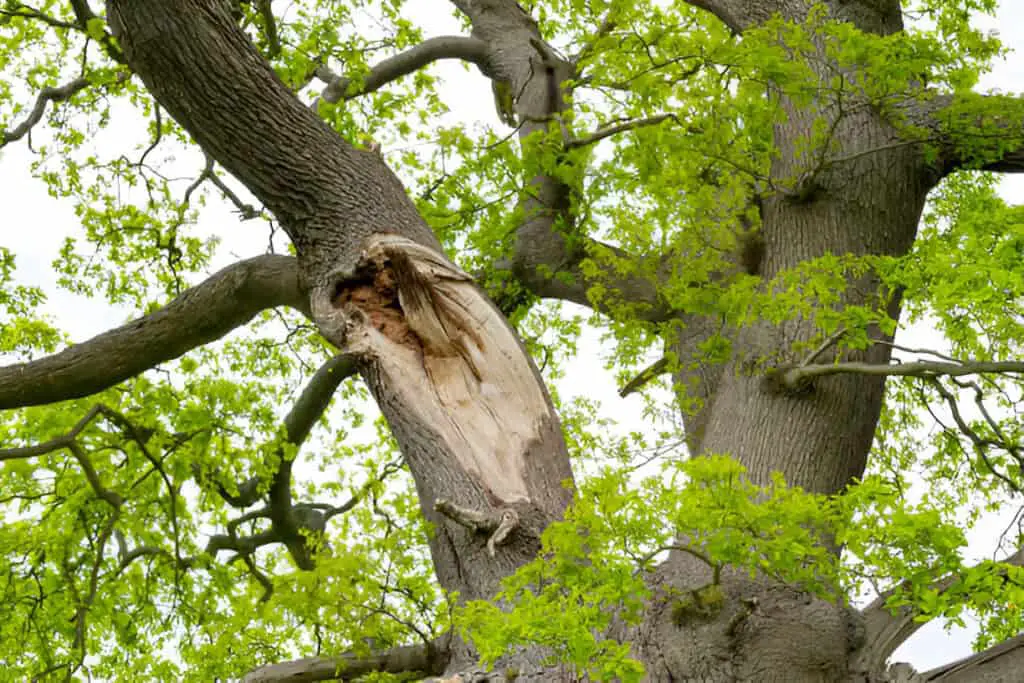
column 463, row 399
column 327, row 195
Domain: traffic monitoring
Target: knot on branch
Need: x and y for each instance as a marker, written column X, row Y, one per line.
column 787, row 380
column 498, row 524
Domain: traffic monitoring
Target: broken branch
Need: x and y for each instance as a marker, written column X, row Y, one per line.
column 499, row 524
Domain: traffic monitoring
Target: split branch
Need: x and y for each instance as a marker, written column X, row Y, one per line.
column 415, row 58
column 202, row 314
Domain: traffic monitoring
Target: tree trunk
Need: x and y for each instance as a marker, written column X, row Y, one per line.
column 466, row 404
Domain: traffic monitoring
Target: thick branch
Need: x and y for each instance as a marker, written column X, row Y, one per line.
column 202, row 314
column 548, row 250
column 426, row 659
column 886, row 629
column 1002, row 662
column 430, row 50
column 732, row 13
column 973, row 131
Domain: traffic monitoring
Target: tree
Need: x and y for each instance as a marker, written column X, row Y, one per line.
column 738, row 184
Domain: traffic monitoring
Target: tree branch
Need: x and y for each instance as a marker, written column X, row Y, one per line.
column 972, row 131
column 499, row 524
column 614, row 129
column 425, row 659
column 645, row 376
column 729, row 12
column 328, row 196
column 430, row 50
column 298, row 423
column 202, row 314
column 1001, row 662
column 309, row 408
column 886, row 629
column 46, row 95
column 21, row 10
column 794, row 378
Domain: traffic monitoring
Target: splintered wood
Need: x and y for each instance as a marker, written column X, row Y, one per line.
column 445, row 354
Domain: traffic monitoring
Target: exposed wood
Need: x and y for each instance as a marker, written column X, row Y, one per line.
column 447, row 357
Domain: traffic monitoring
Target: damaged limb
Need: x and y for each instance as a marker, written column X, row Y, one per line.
column 498, row 524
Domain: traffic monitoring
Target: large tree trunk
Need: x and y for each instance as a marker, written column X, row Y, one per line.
column 464, row 400
column 818, row 438
column 466, row 404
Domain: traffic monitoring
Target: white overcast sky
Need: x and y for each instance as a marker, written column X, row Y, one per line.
column 35, row 225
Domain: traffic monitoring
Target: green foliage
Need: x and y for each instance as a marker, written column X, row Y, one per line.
column 130, row 588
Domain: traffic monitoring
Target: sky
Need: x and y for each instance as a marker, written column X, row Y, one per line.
column 35, row 225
